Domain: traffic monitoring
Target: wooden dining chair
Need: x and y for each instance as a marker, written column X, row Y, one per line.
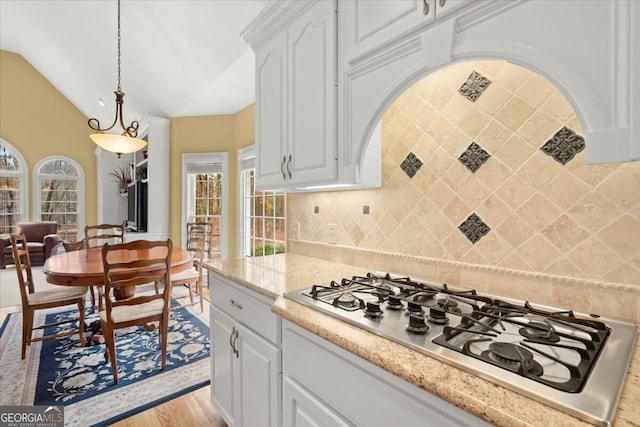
column 73, row 246
column 98, row 235
column 133, row 265
column 192, row 278
column 33, row 300
column 199, row 234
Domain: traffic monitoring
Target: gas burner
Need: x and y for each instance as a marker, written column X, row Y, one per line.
column 347, row 300
column 372, row 309
column 449, row 306
column 438, row 316
column 424, row 296
column 417, row 324
column 540, row 331
column 514, row 357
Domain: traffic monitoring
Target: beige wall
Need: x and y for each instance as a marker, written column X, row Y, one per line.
column 209, row 134
column 39, row 121
column 573, row 220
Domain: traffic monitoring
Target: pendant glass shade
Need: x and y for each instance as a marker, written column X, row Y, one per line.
column 117, row 143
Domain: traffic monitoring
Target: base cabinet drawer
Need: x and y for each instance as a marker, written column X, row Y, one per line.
column 248, row 307
column 351, row 391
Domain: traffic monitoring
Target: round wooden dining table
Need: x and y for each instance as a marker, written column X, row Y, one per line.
column 84, row 267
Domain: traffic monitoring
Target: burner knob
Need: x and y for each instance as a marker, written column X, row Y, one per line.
column 372, row 309
column 413, row 307
column 417, row 324
column 437, row 316
column 394, row 303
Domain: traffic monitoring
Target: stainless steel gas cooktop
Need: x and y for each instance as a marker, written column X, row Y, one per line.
column 576, row 363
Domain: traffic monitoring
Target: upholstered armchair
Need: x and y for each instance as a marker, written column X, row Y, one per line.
column 41, row 236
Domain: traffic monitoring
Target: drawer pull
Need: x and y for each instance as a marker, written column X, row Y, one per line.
column 233, row 339
column 235, row 304
column 425, row 9
column 443, row 3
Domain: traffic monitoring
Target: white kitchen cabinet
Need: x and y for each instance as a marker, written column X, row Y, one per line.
column 305, row 410
column 296, row 92
column 379, row 59
column 245, row 356
column 444, row 8
column 271, row 111
column 373, row 25
column 327, row 385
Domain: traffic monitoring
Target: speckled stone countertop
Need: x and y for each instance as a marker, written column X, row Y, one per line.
column 274, row 275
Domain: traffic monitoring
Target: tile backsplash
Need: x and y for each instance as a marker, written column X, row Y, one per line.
column 483, row 166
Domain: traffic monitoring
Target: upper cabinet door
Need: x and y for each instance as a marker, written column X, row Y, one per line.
column 312, row 96
column 446, row 7
column 376, row 23
column 271, row 111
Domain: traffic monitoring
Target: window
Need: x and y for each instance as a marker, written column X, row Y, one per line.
column 262, row 213
column 58, row 194
column 205, row 186
column 13, row 185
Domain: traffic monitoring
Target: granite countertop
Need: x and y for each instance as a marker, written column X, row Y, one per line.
column 274, row 275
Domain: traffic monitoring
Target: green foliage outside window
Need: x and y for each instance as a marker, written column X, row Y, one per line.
column 268, row 250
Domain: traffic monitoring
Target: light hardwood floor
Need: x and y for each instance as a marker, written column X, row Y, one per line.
column 190, row 410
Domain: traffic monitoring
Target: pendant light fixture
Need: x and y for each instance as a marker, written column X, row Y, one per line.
column 127, row 141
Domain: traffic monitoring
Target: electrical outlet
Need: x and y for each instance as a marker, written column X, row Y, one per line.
column 295, row 230
column 331, row 234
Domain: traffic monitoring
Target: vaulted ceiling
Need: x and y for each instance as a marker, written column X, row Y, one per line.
column 178, row 57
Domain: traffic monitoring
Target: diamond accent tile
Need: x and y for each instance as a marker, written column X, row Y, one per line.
column 411, row 165
column 564, row 145
column 474, row 228
column 474, row 157
column 474, row 86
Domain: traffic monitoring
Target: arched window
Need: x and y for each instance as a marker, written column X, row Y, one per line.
column 59, row 195
column 13, row 186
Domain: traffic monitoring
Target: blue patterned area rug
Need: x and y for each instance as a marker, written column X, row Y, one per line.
column 60, row 372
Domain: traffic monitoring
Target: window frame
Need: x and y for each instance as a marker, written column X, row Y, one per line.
column 221, row 158
column 244, row 155
column 23, row 174
column 37, row 194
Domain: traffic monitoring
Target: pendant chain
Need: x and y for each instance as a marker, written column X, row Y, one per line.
column 119, row 46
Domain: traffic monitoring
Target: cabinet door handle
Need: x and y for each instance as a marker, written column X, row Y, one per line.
column 284, row 160
column 233, row 332
column 235, row 304
column 289, row 166
column 234, row 345
column 425, row 8
column 442, row 3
